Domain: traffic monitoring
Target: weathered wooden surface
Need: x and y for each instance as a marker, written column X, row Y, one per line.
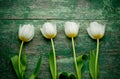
column 59, row 9
column 16, row 12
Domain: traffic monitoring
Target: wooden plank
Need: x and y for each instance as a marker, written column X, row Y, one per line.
column 109, row 55
column 59, row 9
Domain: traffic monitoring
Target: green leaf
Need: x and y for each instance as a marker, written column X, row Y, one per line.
column 80, row 62
column 23, row 65
column 34, row 74
column 14, row 61
column 92, row 64
column 51, row 63
column 63, row 75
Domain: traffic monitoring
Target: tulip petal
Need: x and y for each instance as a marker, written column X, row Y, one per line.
column 23, row 30
column 31, row 33
column 19, row 33
column 42, row 32
column 26, row 33
column 89, row 32
column 94, row 28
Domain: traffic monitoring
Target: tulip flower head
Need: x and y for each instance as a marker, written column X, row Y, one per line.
column 49, row 30
column 96, row 30
column 26, row 32
column 71, row 29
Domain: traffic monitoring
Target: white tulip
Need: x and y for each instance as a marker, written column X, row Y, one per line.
column 71, row 29
column 49, row 30
column 26, row 32
column 96, row 30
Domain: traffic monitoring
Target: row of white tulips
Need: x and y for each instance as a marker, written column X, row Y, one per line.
column 49, row 31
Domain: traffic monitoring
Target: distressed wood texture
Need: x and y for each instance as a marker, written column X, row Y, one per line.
column 36, row 12
column 59, row 9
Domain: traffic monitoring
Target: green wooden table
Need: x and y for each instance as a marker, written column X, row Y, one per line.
column 36, row 12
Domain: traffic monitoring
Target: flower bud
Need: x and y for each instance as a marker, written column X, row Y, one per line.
column 26, row 32
column 49, row 30
column 71, row 29
column 96, row 30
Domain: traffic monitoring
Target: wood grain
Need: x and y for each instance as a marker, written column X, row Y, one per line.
column 36, row 12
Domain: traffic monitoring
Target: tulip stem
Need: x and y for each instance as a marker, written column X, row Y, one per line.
column 55, row 75
column 96, row 60
column 19, row 62
column 75, row 60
